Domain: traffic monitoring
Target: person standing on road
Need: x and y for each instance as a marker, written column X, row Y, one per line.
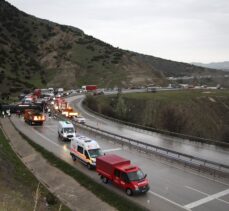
column 8, row 113
column 3, row 114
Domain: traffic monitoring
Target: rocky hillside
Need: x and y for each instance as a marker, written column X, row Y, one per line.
column 38, row 53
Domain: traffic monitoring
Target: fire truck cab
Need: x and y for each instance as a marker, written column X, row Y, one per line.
column 32, row 116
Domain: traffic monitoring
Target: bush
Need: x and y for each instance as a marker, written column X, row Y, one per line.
column 51, row 199
column 91, row 103
column 90, row 48
column 173, row 120
column 225, row 133
column 15, row 89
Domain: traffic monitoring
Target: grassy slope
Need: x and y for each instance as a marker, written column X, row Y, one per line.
column 198, row 113
column 17, row 184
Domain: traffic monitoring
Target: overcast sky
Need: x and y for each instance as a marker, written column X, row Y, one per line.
column 181, row 30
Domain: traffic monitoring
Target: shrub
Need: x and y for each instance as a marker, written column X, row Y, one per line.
column 91, row 102
column 90, row 48
column 173, row 120
column 51, row 199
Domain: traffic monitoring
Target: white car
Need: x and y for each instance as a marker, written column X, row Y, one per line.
column 79, row 119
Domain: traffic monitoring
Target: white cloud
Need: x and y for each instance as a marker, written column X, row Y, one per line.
column 182, row 30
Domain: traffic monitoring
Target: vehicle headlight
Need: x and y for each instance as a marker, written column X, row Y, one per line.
column 136, row 187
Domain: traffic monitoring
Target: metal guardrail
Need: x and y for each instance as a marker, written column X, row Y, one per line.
column 200, row 164
column 179, row 135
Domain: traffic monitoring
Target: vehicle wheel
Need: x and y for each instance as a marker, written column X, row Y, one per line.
column 73, row 157
column 89, row 166
column 129, row 192
column 105, row 180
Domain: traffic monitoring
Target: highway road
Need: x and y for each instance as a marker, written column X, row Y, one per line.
column 201, row 150
column 172, row 187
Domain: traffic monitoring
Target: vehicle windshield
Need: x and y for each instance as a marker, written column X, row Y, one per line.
column 136, row 176
column 95, row 152
column 68, row 130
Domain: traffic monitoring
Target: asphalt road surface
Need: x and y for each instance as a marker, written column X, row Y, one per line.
column 171, row 187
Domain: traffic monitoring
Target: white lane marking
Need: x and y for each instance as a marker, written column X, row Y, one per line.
column 111, row 150
column 197, row 190
column 168, row 200
column 205, row 194
column 223, row 201
column 207, row 199
column 199, row 175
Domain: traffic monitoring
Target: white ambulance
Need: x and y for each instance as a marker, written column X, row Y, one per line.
column 86, row 150
column 66, row 130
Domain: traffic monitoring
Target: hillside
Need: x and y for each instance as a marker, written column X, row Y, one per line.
column 39, row 53
column 214, row 65
column 200, row 113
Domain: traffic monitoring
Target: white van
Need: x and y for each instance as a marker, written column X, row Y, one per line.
column 66, row 130
column 86, row 149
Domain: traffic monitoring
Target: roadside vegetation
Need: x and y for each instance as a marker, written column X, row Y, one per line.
column 19, row 189
column 201, row 113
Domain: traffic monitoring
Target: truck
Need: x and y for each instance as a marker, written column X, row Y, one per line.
column 86, row 150
column 60, row 104
column 89, row 88
column 32, row 116
column 69, row 112
column 122, row 173
column 66, row 130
